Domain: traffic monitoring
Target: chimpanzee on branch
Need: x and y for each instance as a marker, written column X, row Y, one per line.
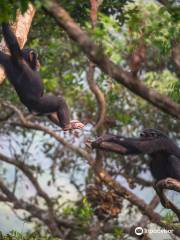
column 21, row 69
column 164, row 153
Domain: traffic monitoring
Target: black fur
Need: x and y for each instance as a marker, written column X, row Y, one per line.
column 21, row 70
column 164, row 153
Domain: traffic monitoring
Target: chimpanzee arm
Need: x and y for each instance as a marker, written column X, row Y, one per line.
column 118, row 145
column 110, row 147
column 3, row 58
column 50, row 105
column 11, row 42
column 114, row 138
column 136, row 145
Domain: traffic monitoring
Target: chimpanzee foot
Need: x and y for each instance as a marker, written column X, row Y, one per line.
column 88, row 143
column 74, row 124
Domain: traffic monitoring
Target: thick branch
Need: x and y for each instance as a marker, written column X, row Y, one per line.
column 143, row 207
column 171, row 184
column 96, row 55
column 21, row 29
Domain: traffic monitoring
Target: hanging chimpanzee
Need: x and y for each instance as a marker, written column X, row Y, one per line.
column 21, row 69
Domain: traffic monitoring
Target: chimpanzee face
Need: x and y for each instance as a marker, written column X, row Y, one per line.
column 31, row 57
column 151, row 133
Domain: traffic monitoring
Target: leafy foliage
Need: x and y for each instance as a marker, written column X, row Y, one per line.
column 13, row 235
column 8, row 8
column 83, row 212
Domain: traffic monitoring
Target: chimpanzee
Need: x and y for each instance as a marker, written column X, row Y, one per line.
column 21, row 69
column 164, row 153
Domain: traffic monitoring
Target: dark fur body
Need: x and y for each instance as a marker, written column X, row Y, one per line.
column 164, row 153
column 26, row 82
column 21, row 70
column 164, row 166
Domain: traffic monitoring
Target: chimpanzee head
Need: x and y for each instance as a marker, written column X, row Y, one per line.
column 152, row 133
column 31, row 57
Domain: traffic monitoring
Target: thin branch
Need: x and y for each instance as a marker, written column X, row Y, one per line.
column 91, row 72
column 144, row 182
column 144, row 221
column 32, row 209
column 28, row 173
column 15, row 109
column 98, row 94
column 5, row 118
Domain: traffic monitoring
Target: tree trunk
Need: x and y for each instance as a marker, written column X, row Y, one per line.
column 21, row 29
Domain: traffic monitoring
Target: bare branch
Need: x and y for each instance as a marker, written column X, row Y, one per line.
column 27, row 172
column 144, row 182
column 15, row 109
column 145, row 220
column 32, row 209
column 95, row 4
column 91, row 71
column 98, row 94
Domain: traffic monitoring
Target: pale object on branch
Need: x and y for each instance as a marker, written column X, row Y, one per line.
column 21, row 28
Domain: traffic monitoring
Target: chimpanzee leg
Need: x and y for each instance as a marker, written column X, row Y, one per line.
column 57, row 111
column 56, row 108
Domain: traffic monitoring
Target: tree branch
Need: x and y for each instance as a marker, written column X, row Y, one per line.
column 29, row 174
column 96, row 55
column 91, row 71
column 143, row 207
column 32, row 209
column 98, row 95
column 171, row 184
